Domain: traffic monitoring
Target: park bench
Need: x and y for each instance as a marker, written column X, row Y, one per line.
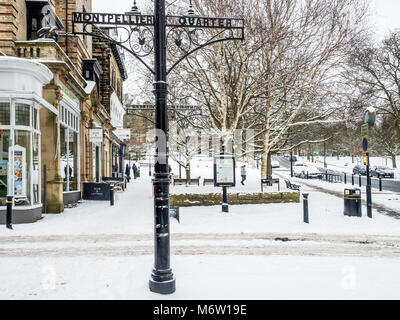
column 173, row 177
column 269, row 182
column 179, row 182
column 208, row 182
column 194, row 182
column 119, row 183
column 292, row 186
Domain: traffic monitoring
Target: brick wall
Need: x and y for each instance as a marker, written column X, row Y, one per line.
column 77, row 47
column 12, row 24
column 103, row 53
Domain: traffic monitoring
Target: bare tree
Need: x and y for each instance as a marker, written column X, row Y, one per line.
column 305, row 48
column 384, row 141
column 377, row 76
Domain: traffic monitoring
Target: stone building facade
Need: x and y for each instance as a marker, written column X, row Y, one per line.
column 75, row 102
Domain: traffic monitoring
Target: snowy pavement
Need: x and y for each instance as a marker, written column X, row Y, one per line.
column 96, row 251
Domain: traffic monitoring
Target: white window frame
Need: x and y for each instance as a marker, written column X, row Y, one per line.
column 12, row 128
column 70, row 118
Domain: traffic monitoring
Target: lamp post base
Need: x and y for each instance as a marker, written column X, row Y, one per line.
column 164, row 287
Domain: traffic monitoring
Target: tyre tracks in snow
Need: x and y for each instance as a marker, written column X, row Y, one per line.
column 260, row 244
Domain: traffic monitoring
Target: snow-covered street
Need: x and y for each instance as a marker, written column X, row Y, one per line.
column 96, row 251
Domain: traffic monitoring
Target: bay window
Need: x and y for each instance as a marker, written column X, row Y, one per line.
column 20, row 152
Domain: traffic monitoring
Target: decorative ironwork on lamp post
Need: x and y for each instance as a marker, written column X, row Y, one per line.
column 161, row 35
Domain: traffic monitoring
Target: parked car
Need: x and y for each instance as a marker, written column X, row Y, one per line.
column 382, row 172
column 310, row 173
column 297, row 171
column 298, row 167
column 275, row 164
column 359, row 169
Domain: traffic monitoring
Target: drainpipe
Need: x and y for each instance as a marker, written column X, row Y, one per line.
column 66, row 27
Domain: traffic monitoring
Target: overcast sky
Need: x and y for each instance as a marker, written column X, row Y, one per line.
column 385, row 14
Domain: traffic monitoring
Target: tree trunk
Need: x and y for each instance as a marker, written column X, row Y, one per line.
column 269, row 165
column 264, row 157
column 397, row 128
column 187, row 168
column 394, row 161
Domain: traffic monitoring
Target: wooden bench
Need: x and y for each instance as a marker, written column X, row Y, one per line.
column 173, row 177
column 292, row 186
column 208, row 181
column 179, row 182
column 194, row 182
column 269, row 182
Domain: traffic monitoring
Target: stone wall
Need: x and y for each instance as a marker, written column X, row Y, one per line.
column 77, row 47
column 214, row 199
column 12, row 24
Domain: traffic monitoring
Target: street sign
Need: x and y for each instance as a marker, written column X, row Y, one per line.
column 365, row 144
column 96, row 135
column 364, row 131
column 149, row 107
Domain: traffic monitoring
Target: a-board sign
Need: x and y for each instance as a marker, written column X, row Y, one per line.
column 224, row 170
column 96, row 191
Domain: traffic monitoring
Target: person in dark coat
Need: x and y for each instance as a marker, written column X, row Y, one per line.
column 128, row 172
column 243, row 174
column 134, row 169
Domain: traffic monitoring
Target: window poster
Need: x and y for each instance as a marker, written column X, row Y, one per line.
column 19, row 171
column 3, row 167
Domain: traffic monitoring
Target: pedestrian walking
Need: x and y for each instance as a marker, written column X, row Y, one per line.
column 243, row 174
column 134, row 169
column 128, row 172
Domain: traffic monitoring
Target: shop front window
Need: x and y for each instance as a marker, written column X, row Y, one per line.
column 4, row 158
column 21, row 167
column 36, row 169
column 69, row 151
column 19, row 153
column 5, row 114
column 22, row 114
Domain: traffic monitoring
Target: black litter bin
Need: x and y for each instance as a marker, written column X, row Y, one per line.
column 352, row 202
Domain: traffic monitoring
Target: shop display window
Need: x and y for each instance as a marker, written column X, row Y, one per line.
column 19, row 152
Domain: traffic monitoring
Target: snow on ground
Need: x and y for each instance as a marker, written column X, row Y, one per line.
column 202, row 278
column 133, row 214
column 390, row 200
column 96, row 251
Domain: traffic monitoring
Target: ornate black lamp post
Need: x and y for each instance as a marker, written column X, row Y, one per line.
column 161, row 34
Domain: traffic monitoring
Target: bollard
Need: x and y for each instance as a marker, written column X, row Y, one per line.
column 345, row 178
column 111, row 195
column 305, row 207
column 359, row 180
column 380, row 185
column 9, row 213
column 352, row 179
